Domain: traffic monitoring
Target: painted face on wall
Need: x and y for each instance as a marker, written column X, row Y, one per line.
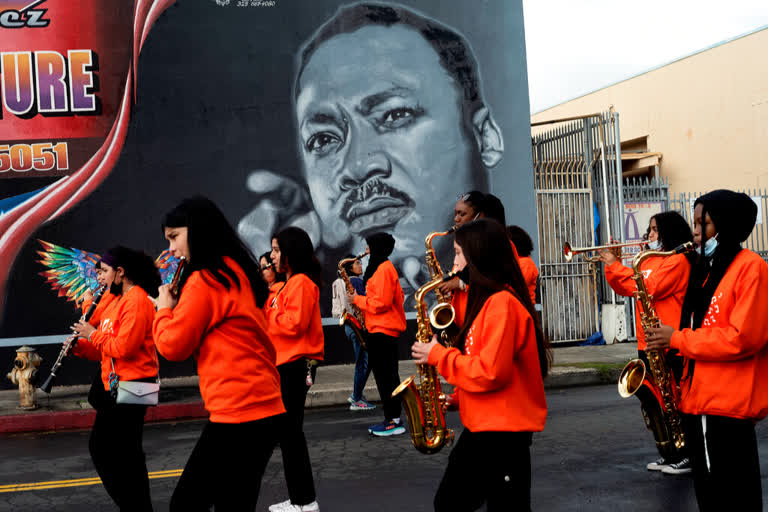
column 382, row 137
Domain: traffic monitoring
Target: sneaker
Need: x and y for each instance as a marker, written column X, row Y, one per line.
column 657, row 465
column 678, row 468
column 350, row 399
column 361, row 405
column 287, row 506
column 387, row 428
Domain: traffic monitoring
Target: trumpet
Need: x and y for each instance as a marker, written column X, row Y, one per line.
column 569, row 251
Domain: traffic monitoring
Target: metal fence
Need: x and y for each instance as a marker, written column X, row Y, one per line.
column 577, row 169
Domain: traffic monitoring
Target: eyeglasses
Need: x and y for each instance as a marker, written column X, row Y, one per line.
column 267, row 266
column 462, row 196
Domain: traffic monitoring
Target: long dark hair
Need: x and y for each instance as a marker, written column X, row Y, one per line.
column 297, row 252
column 521, row 239
column 279, row 276
column 211, row 237
column 139, row 268
column 673, row 230
column 492, row 268
column 492, row 208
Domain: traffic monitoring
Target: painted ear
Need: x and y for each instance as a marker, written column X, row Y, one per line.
column 488, row 136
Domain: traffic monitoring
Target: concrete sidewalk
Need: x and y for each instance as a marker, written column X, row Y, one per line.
column 68, row 408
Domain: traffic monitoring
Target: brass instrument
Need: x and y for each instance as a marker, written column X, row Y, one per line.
column 356, row 321
column 424, row 403
column 441, row 316
column 657, row 388
column 69, row 343
column 569, row 251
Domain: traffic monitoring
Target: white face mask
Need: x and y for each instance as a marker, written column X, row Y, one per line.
column 709, row 246
column 654, row 245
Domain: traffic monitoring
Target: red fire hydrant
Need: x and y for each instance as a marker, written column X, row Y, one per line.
column 24, row 374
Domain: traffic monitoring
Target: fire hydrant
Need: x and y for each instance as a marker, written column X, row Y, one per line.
column 24, row 374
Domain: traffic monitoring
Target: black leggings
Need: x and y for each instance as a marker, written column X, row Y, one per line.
column 293, row 444
column 487, row 467
column 382, row 359
column 726, row 471
column 213, row 478
column 117, row 453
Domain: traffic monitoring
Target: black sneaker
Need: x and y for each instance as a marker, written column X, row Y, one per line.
column 678, row 468
column 658, row 465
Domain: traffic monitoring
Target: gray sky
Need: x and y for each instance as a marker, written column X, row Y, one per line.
column 577, row 46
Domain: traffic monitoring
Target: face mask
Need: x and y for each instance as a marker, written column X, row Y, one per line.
column 655, row 245
column 709, row 246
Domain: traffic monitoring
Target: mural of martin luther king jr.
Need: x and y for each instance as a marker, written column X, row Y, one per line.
column 391, row 126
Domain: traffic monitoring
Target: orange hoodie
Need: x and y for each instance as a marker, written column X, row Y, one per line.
column 295, row 326
column 125, row 336
column 273, row 290
column 227, row 334
column 498, row 377
column 530, row 274
column 731, row 347
column 86, row 350
column 666, row 279
column 382, row 303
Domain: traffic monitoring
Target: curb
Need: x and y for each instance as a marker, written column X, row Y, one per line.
column 319, row 396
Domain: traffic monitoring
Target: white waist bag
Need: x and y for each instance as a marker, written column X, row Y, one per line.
column 134, row 391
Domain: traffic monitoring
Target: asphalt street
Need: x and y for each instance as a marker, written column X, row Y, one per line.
column 591, row 456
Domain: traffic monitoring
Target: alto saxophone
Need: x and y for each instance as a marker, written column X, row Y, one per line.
column 658, row 386
column 356, row 321
column 441, row 316
column 424, row 403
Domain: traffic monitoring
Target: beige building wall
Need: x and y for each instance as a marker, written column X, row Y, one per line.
column 706, row 113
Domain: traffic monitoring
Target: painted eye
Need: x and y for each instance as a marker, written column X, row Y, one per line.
column 322, row 143
column 398, row 117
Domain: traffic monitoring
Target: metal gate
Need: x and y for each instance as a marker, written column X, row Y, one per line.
column 577, row 177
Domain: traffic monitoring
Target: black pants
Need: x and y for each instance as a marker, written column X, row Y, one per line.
column 382, row 359
column 487, row 467
column 293, row 444
column 731, row 480
column 215, row 474
column 117, row 453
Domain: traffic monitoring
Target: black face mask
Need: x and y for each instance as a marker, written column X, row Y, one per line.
column 464, row 274
column 115, row 289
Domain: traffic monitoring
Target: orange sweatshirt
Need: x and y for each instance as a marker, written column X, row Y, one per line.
column 530, row 274
column 125, row 336
column 273, row 290
column 731, row 347
column 666, row 279
column 295, row 326
column 382, row 304
column 498, row 377
column 459, row 303
column 227, row 334
column 86, row 350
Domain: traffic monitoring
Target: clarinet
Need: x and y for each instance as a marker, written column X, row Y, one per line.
column 174, row 288
column 69, row 343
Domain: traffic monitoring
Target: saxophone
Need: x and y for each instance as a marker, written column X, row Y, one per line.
column 441, row 316
column 356, row 321
column 657, row 390
column 424, row 404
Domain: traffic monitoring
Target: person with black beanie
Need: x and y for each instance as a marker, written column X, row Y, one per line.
column 382, row 307
column 723, row 336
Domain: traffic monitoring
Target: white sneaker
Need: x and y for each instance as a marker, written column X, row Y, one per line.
column 287, row 506
column 283, row 506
